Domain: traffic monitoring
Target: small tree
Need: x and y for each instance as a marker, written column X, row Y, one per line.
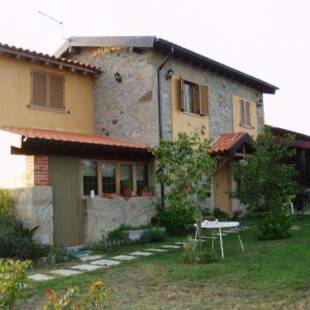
column 186, row 167
column 267, row 180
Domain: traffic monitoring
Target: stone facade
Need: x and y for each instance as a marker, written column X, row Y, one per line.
column 124, row 110
column 104, row 215
column 33, row 206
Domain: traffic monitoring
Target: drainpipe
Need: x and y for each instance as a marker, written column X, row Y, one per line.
column 161, row 66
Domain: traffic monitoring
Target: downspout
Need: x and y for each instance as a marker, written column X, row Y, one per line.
column 161, row 66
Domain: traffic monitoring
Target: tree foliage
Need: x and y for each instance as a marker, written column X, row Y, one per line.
column 267, row 180
column 186, row 167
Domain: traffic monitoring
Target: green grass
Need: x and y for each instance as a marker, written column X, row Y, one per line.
column 269, row 275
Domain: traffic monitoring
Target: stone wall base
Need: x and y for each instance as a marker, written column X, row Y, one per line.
column 33, row 207
column 104, row 215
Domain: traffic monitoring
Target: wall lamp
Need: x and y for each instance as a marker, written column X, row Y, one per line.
column 259, row 103
column 118, row 77
column 169, row 74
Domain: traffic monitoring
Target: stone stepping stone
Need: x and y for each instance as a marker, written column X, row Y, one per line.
column 156, row 250
column 65, row 272
column 171, row 246
column 40, row 277
column 90, row 258
column 105, row 262
column 86, row 267
column 124, row 257
column 295, row 227
column 179, row 243
column 139, row 253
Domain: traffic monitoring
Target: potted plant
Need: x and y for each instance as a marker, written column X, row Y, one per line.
column 147, row 191
column 108, row 195
column 127, row 189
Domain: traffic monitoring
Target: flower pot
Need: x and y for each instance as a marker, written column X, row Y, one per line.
column 127, row 192
column 146, row 193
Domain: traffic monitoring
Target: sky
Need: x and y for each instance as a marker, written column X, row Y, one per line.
column 265, row 38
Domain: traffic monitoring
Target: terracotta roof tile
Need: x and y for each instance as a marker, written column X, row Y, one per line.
column 61, row 136
column 225, row 142
column 13, row 50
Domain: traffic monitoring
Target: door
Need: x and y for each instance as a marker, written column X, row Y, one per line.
column 67, row 201
column 222, row 183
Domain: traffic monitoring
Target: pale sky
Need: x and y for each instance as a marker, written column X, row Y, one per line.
column 265, row 38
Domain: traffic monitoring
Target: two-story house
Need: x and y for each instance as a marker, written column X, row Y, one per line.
column 77, row 126
column 151, row 89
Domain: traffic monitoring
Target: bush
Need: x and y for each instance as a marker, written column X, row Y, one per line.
column 219, row 214
column 6, row 202
column 153, row 235
column 118, row 233
column 176, row 219
column 17, row 241
column 13, row 281
column 275, row 226
column 58, row 255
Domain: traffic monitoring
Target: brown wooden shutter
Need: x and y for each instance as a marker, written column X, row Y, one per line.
column 182, row 94
column 204, row 99
column 196, row 99
column 176, row 92
column 242, row 113
column 56, row 92
column 39, row 89
column 247, row 113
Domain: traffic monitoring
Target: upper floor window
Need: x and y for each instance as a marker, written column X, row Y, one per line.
column 245, row 117
column 194, row 98
column 47, row 90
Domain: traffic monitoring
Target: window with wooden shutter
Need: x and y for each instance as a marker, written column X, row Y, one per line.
column 56, row 86
column 245, row 118
column 48, row 91
column 204, row 99
column 39, row 89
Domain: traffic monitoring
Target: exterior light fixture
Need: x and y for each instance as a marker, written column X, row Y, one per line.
column 118, row 77
column 259, row 103
column 169, row 74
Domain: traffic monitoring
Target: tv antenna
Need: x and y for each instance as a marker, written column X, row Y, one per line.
column 60, row 23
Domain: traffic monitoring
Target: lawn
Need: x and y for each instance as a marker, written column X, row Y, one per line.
column 269, row 275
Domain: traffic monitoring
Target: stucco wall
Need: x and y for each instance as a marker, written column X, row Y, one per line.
column 15, row 95
column 33, row 206
column 104, row 215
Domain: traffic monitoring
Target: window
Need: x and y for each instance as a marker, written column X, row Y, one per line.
column 126, row 177
column 194, row 98
column 142, row 177
column 90, row 176
column 109, row 177
column 47, row 91
column 108, row 174
column 245, row 117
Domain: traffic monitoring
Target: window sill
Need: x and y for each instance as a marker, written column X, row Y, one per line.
column 194, row 114
column 34, row 107
column 246, row 126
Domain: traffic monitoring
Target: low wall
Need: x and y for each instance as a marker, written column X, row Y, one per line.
column 33, row 206
column 104, row 215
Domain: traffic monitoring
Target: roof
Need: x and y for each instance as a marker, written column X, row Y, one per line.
column 230, row 143
column 60, row 136
column 165, row 46
column 45, row 59
column 301, row 141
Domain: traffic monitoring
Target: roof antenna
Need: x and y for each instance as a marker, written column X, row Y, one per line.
column 60, row 23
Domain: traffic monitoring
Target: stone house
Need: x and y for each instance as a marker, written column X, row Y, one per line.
column 75, row 129
column 150, row 89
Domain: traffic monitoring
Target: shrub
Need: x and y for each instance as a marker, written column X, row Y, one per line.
column 13, row 280
column 58, row 255
column 17, row 241
column 95, row 298
column 275, row 226
column 176, row 219
column 154, row 235
column 118, row 233
column 6, row 202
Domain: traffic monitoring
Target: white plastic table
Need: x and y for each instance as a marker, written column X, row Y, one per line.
column 214, row 225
